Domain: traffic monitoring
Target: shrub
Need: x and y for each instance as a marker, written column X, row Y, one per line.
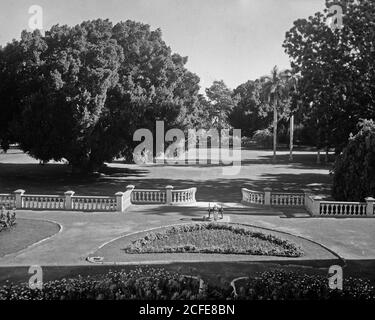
column 146, row 283
column 158, row 284
column 7, row 220
column 263, row 138
column 354, row 169
column 281, row 285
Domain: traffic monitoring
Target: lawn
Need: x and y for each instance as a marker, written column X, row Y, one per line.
column 18, row 170
column 25, row 233
column 213, row 238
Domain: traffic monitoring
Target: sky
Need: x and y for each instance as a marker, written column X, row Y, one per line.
column 230, row 40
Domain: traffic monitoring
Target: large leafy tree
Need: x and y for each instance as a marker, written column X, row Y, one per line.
column 354, row 169
column 249, row 115
column 82, row 91
column 10, row 90
column 67, row 74
column 337, row 86
column 222, row 103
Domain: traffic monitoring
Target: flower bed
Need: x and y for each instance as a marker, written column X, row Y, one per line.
column 281, row 285
column 150, row 284
column 213, row 238
column 158, row 284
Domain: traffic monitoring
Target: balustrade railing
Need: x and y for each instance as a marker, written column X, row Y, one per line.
column 251, row 196
column 47, row 202
column 92, row 203
column 315, row 205
column 148, row 196
column 183, row 196
column 288, row 199
column 7, row 200
column 339, row 208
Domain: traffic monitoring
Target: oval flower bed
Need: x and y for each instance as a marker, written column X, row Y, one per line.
column 213, row 238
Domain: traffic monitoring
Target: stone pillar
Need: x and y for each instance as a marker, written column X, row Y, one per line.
column 307, row 193
column 119, row 201
column 370, row 206
column 68, row 200
column 19, row 193
column 168, row 191
column 316, row 211
column 267, row 196
column 128, row 197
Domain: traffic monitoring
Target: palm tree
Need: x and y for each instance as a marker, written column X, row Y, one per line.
column 292, row 86
column 275, row 89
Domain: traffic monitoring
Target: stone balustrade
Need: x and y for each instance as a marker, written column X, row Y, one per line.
column 142, row 196
column 288, row 199
column 120, row 202
column 43, row 202
column 251, row 196
column 186, row 196
column 7, row 200
column 315, row 205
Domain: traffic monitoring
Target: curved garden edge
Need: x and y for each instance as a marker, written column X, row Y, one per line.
column 35, row 244
column 325, row 254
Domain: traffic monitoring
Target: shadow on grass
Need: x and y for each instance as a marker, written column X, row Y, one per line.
column 211, row 184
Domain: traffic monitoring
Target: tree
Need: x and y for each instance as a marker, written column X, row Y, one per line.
column 222, row 104
column 275, row 92
column 355, row 166
column 82, row 91
column 248, row 114
column 67, row 74
column 10, row 90
column 337, row 86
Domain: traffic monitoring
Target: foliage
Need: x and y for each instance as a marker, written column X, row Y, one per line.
column 7, row 220
column 263, row 138
column 213, row 238
column 281, row 285
column 336, row 68
column 275, row 92
column 222, row 103
column 158, row 284
column 146, row 283
column 256, row 101
column 248, row 114
column 79, row 93
column 355, row 166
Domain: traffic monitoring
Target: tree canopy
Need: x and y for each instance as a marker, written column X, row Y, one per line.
column 337, row 69
column 79, row 93
column 355, row 166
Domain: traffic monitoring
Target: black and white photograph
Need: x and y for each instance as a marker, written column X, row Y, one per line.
column 190, row 158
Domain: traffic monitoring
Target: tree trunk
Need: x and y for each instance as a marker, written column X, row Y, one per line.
column 274, row 131
column 291, row 134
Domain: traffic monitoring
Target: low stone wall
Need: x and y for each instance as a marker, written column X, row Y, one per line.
column 315, row 205
column 118, row 202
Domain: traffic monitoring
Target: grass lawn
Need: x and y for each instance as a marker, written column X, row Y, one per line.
column 213, row 238
column 25, row 233
column 18, row 170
